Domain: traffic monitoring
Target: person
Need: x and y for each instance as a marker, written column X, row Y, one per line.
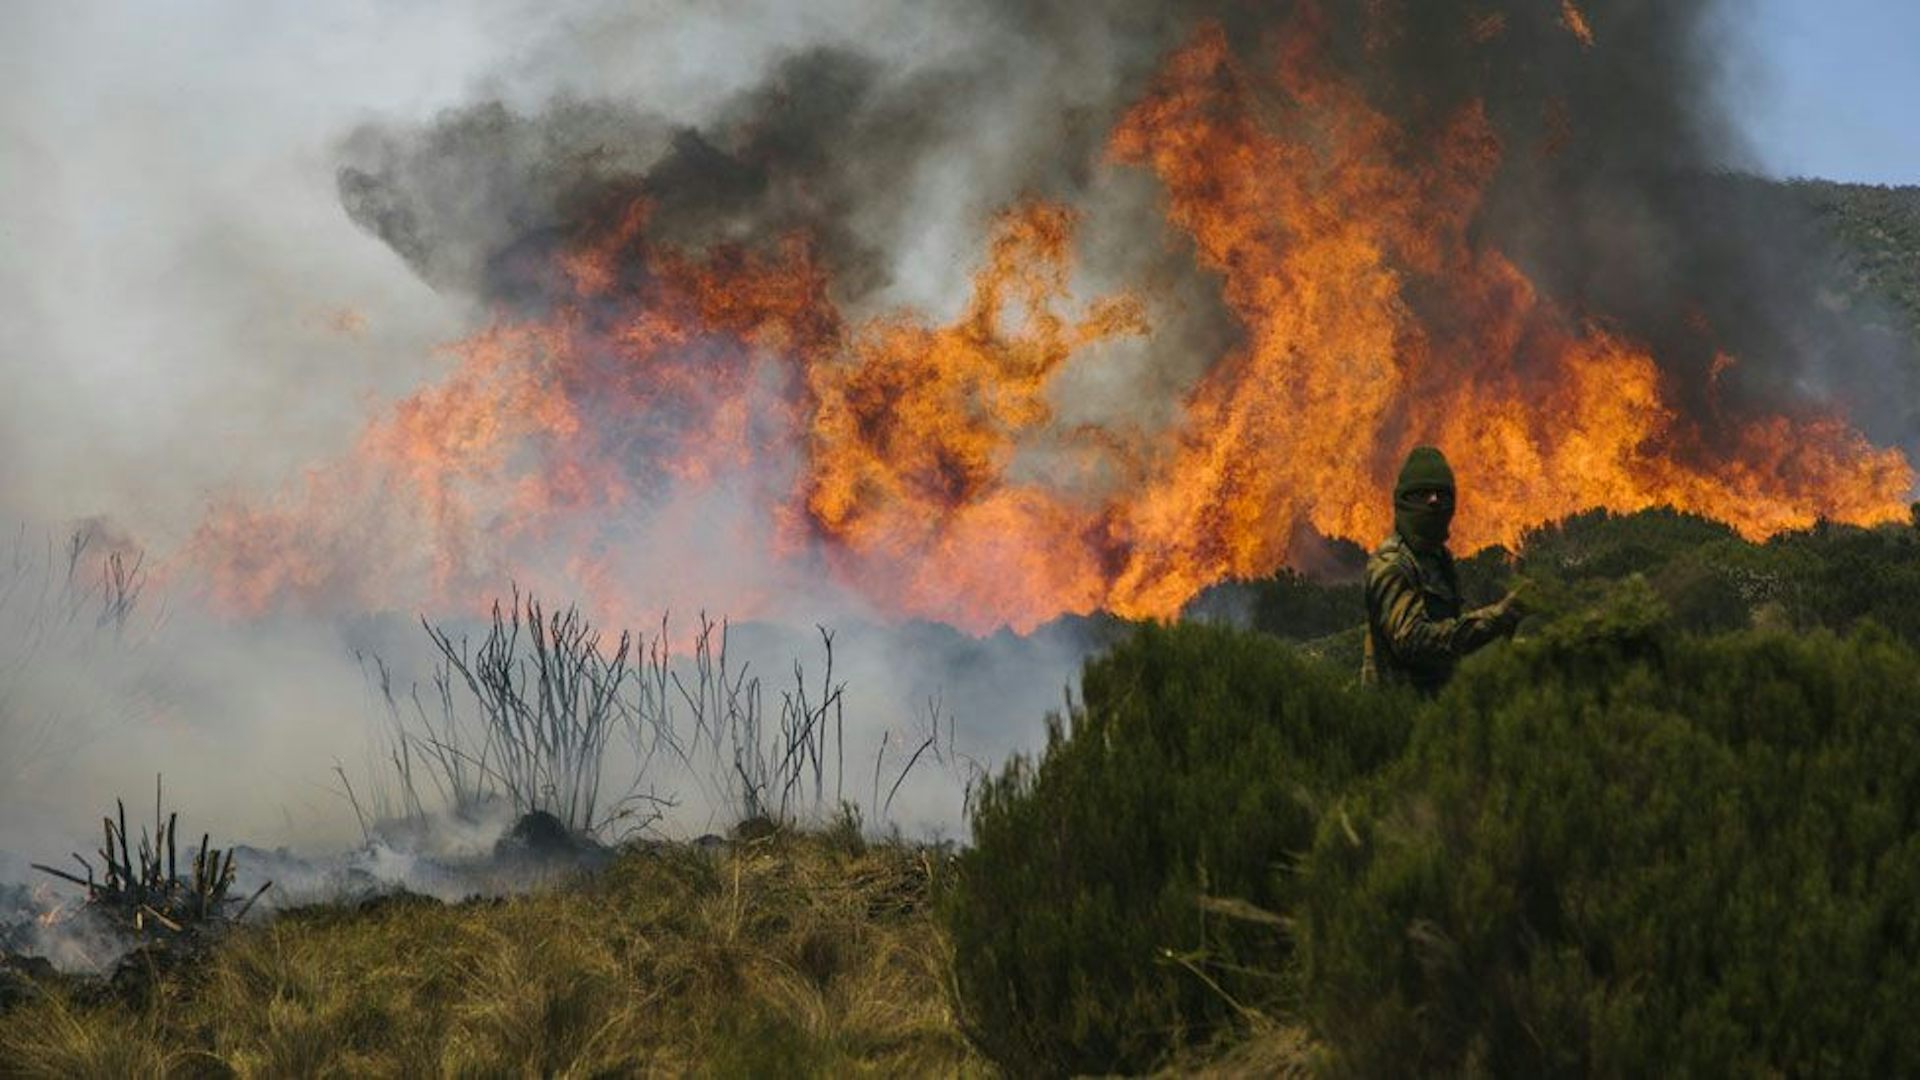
column 1416, row 632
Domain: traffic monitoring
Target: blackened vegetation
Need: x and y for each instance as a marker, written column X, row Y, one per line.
column 548, row 694
column 140, row 891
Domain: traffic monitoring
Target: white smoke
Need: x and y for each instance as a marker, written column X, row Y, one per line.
column 187, row 313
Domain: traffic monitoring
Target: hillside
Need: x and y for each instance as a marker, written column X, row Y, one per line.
column 1672, row 823
column 1677, row 696
column 1880, row 229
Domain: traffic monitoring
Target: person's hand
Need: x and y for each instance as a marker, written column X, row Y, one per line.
column 1519, row 599
column 1512, row 607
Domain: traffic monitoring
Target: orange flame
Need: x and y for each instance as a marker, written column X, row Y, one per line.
column 916, row 427
column 1318, row 237
column 52, row 911
column 889, row 453
column 1575, row 21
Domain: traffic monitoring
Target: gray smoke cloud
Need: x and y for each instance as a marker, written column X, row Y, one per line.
column 180, row 279
column 233, row 231
column 1617, row 192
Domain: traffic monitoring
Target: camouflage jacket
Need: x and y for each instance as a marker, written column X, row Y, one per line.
column 1415, row 630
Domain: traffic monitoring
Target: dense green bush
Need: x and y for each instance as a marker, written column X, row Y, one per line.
column 1835, row 576
column 1192, row 768
column 1711, row 579
column 1622, row 850
column 1602, row 544
column 1660, row 833
column 1289, row 605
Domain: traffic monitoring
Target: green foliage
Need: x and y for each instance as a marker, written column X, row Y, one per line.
column 1835, row 576
column 1193, row 768
column 1602, row 544
column 1710, row 579
column 1485, row 576
column 1292, row 606
column 1675, row 828
column 1879, row 228
column 1692, row 561
column 1622, row 850
column 1830, row 576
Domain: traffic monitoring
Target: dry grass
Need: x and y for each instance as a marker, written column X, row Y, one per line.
column 790, row 956
column 1268, row 1050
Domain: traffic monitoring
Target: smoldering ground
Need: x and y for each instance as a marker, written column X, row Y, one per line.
column 343, row 781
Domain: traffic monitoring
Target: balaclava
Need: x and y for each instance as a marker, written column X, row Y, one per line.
column 1423, row 526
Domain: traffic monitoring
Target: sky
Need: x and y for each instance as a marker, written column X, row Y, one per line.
column 1833, row 89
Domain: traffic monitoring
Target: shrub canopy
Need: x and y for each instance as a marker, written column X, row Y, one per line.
column 1620, row 850
column 1193, row 768
column 1670, row 830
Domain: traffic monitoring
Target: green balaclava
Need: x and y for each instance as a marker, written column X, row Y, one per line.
column 1423, row 526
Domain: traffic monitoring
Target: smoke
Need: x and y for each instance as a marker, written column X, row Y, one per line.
column 226, row 247
column 1614, row 194
column 180, row 278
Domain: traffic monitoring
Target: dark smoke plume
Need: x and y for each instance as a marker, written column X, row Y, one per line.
column 475, row 201
column 1615, row 189
column 1618, row 191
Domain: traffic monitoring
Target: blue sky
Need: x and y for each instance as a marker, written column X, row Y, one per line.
column 1835, row 90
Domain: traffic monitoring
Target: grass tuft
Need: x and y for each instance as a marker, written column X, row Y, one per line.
column 793, row 955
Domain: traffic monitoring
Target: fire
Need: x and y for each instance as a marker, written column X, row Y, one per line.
column 915, row 427
column 1320, row 235
column 658, row 384
column 1575, row 21
column 51, row 910
column 542, row 429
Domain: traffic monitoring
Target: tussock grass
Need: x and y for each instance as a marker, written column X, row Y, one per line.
column 790, row 955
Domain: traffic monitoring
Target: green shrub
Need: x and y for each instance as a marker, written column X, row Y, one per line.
column 1659, row 834
column 1603, row 544
column 1289, row 605
column 1834, row 576
column 1830, row 576
column 1623, row 850
column 1193, row 768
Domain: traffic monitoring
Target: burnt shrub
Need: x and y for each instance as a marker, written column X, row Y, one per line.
column 1619, row 849
column 1194, row 768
